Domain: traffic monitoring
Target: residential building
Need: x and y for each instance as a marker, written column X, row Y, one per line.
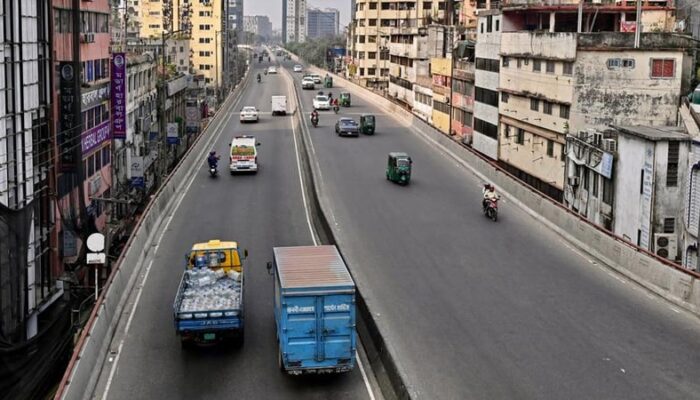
column 486, row 81
column 322, row 23
column 630, row 180
column 554, row 81
column 179, row 54
column 463, row 91
column 259, row 25
column 293, row 21
column 151, row 19
column 28, row 260
column 441, row 72
column 690, row 117
column 430, row 43
column 234, row 16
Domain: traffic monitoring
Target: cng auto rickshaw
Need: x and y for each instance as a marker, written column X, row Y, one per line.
column 367, row 124
column 328, row 81
column 344, row 99
column 398, row 169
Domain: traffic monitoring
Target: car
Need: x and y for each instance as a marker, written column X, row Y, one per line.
column 271, row 70
column 244, row 154
column 308, row 83
column 322, row 103
column 298, row 68
column 347, row 127
column 317, row 78
column 249, row 113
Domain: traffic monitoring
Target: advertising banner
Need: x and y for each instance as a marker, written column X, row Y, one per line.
column 118, row 92
column 172, row 133
column 137, row 172
column 69, row 122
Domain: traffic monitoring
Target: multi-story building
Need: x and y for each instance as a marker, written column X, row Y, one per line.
column 28, row 261
column 554, row 80
column 441, row 71
column 179, row 54
column 293, row 21
column 463, row 91
column 322, row 23
column 430, row 43
column 689, row 244
column 259, row 25
column 486, row 81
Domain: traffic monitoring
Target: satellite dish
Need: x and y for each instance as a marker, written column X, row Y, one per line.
column 96, row 242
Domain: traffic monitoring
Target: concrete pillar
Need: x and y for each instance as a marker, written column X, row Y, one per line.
column 552, row 20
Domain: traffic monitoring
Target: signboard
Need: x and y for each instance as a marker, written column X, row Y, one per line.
column 96, row 96
column 94, row 137
column 137, row 172
column 70, row 244
column 193, row 117
column 96, row 258
column 172, row 133
column 69, row 122
column 118, row 93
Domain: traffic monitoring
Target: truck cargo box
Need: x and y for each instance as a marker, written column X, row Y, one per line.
column 314, row 310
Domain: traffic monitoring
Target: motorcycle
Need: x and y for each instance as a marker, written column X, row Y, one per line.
column 335, row 109
column 259, row 80
column 213, row 170
column 491, row 209
column 314, row 121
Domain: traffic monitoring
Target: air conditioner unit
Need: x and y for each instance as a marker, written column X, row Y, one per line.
column 582, row 135
column 666, row 245
column 610, row 145
column 573, row 180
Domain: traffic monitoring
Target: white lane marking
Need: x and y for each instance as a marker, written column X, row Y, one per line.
column 313, row 237
column 675, row 310
column 183, row 193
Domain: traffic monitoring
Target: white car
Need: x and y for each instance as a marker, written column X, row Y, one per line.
column 298, row 68
column 249, row 113
column 244, row 154
column 322, row 103
column 308, row 83
column 271, row 70
column 317, row 78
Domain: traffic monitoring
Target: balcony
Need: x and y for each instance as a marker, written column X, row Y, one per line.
column 409, row 50
column 463, row 70
column 441, row 90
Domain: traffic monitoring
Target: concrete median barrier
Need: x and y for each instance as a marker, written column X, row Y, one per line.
column 94, row 342
column 669, row 281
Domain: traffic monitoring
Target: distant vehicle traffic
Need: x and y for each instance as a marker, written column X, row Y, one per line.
column 279, row 105
column 249, row 113
column 308, row 84
column 298, row 68
column 322, row 102
column 208, row 307
column 347, row 127
column 317, row 78
column 244, row 154
column 272, row 70
column 314, row 309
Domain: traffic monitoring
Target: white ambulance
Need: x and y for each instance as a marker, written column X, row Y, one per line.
column 244, row 154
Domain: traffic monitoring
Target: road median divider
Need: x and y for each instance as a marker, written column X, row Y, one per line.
column 94, row 342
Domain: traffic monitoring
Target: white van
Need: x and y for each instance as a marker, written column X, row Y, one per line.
column 244, row 154
column 279, row 105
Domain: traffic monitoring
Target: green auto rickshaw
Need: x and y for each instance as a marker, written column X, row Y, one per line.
column 398, row 168
column 345, row 99
column 367, row 124
column 328, row 81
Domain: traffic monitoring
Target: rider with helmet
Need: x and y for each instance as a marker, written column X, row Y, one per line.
column 213, row 159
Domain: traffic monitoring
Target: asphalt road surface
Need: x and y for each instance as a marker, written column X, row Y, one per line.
column 259, row 211
column 481, row 310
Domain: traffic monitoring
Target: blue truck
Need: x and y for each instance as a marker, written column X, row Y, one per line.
column 315, row 310
column 208, row 307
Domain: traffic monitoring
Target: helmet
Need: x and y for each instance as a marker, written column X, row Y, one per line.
column 490, row 187
column 212, row 153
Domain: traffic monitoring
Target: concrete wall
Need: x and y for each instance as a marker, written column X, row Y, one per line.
column 537, row 44
column 624, row 96
column 632, row 208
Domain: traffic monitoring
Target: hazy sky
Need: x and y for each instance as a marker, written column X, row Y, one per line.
column 273, row 9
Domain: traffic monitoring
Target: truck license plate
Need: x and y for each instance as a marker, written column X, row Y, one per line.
column 209, row 336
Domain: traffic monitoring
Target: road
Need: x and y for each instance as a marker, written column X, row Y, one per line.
column 259, row 211
column 481, row 310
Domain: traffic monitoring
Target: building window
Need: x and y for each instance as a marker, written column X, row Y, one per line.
column 372, row 55
column 373, row 5
column 547, row 107
column 628, row 63
column 506, row 61
column 489, row 23
column 586, row 178
column 550, row 67
column 441, row 107
column 463, row 117
column 362, row 72
column 562, row 156
column 672, row 164
column 486, row 64
column 371, row 71
column 550, row 148
column 486, row 96
column 486, row 128
column 520, row 137
column 534, row 104
column 669, row 225
column 482, row 27
column 536, row 65
column 568, row 68
column 564, row 111
column 498, row 25
column 613, row 63
column 662, row 68
column 594, row 189
column 504, row 97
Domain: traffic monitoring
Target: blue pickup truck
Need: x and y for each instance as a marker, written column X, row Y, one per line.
column 314, row 308
column 208, row 307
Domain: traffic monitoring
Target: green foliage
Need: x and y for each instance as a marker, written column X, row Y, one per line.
column 313, row 51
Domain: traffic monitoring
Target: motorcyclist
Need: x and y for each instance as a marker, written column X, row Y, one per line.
column 330, row 97
column 213, row 159
column 259, row 77
column 489, row 193
column 314, row 115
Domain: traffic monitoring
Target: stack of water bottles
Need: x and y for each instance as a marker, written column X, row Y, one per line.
column 211, row 290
